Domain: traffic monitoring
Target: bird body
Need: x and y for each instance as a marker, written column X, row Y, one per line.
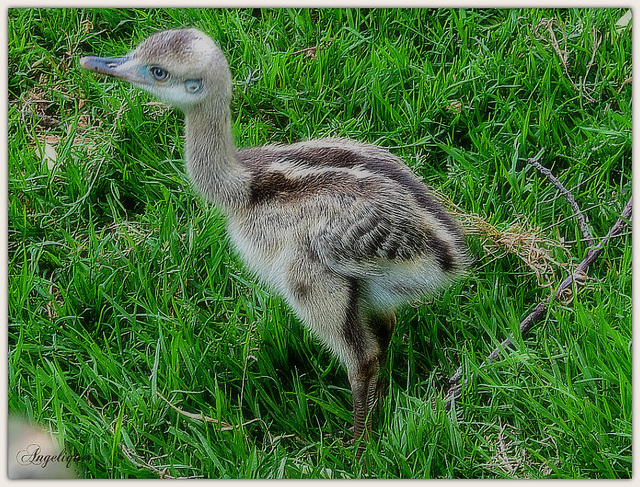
column 354, row 208
column 342, row 230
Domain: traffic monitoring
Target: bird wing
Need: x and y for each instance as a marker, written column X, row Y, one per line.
column 371, row 235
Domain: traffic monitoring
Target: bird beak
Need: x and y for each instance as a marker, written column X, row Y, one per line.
column 118, row 67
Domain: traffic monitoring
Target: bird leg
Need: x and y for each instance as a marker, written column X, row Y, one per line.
column 334, row 309
column 363, row 390
column 383, row 326
column 365, row 385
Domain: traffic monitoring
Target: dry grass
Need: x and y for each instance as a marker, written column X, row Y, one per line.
column 510, row 457
column 530, row 244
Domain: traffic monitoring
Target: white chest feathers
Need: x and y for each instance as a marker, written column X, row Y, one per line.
column 265, row 254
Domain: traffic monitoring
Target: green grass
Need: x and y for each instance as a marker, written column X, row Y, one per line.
column 122, row 286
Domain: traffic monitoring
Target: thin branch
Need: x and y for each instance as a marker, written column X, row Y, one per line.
column 578, row 275
column 563, row 54
column 140, row 462
column 624, row 83
column 201, row 417
column 248, row 356
column 312, row 52
column 582, row 222
column 596, row 43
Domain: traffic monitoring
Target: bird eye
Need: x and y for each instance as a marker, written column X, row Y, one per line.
column 193, row 85
column 158, row 73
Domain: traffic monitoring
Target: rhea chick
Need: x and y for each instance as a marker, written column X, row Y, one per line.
column 341, row 229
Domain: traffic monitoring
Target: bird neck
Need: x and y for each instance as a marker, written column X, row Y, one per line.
column 211, row 157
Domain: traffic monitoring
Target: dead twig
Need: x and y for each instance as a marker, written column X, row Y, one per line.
column 624, row 83
column 140, row 462
column 201, row 417
column 312, row 52
column 597, row 40
column 248, row 356
column 578, row 275
column 582, row 222
column 563, row 54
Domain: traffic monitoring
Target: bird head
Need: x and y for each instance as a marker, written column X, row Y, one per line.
column 183, row 68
